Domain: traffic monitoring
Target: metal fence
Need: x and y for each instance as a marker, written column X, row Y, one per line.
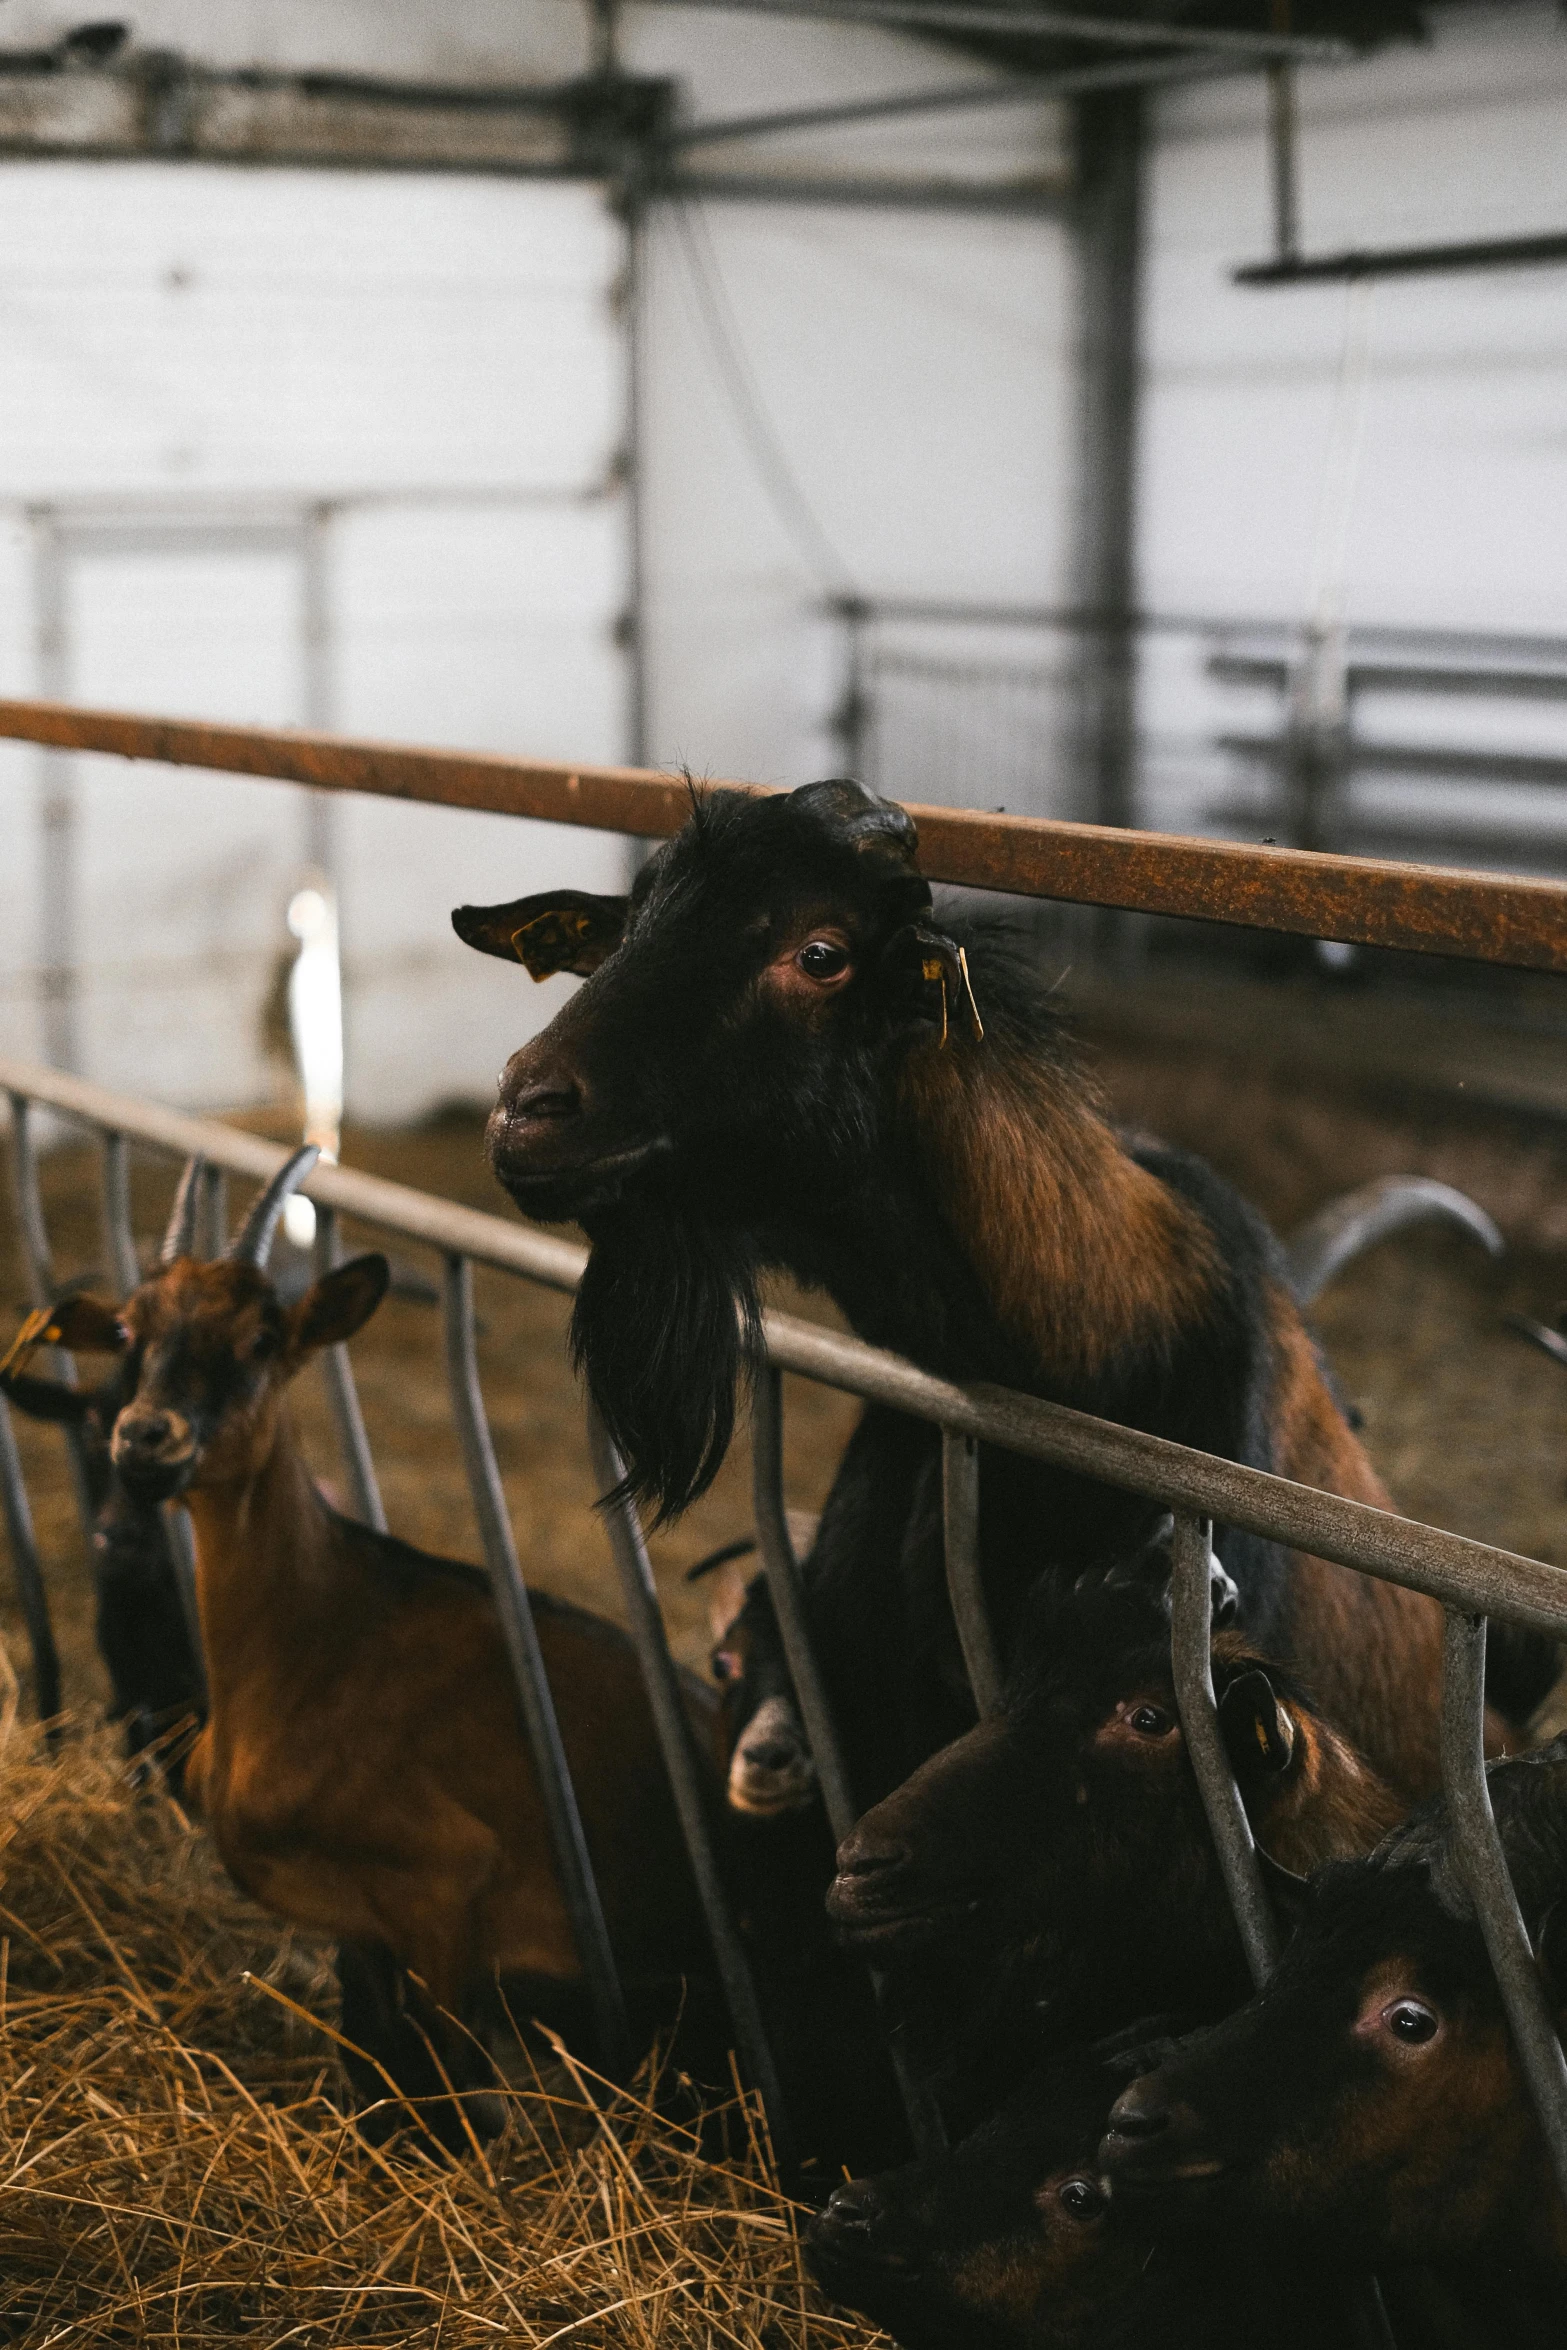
column 1515, row 921
column 1440, row 743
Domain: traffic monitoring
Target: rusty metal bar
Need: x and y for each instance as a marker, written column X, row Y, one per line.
column 965, row 1585
column 1367, row 901
column 687, row 1785
column 510, row 1592
column 31, row 1592
column 1477, row 1850
column 1449, row 1567
column 343, row 1396
column 1191, row 1651
column 119, row 1241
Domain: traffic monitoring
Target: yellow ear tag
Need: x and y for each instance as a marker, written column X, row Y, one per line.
column 933, row 969
column 39, row 1329
column 975, row 1022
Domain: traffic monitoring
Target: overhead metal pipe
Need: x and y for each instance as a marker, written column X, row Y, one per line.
column 949, row 98
column 1044, row 23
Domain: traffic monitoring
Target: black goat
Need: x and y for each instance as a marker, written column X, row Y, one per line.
column 1369, row 2102
column 142, row 1629
column 1015, row 2242
column 1051, row 1875
column 778, row 1061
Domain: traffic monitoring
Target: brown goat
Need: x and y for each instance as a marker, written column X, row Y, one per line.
column 363, row 1768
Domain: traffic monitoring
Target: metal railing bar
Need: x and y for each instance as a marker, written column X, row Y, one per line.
column 119, row 1241
column 573, row 1860
column 41, row 1280
column 1477, row 1851
column 1191, row 1653
column 1449, row 1567
column 788, row 1597
column 965, row 1585
column 1423, row 909
column 691, row 1799
column 1323, row 1525
column 31, row 1592
column 782, row 1570
column 343, row 1396
column 181, row 1539
column 212, row 1236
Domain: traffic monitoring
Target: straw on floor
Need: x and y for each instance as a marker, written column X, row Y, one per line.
column 173, row 2169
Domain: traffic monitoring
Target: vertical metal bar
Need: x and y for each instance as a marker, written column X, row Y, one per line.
column 788, row 1596
column 572, row 1858
column 634, row 212
column 1191, row 1649
column 315, row 622
column 686, row 1784
column 40, row 1273
column 1108, row 236
column 25, row 1562
column 1191, row 1637
column 965, row 1588
column 212, row 1222
column 1282, row 159
column 1477, row 1849
column 343, row 1395
column 119, row 1241
column 181, row 1539
column 58, row 877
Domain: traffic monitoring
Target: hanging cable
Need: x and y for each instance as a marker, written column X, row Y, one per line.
column 812, row 544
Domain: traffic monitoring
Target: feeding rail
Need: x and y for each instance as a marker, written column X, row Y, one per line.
column 1433, row 910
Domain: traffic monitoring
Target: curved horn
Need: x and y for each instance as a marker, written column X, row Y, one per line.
column 1333, row 1237
column 180, row 1238
column 253, row 1243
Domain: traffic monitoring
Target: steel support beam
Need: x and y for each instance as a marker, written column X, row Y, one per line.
column 1108, row 228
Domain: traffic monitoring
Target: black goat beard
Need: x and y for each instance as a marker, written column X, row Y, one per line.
column 666, row 1328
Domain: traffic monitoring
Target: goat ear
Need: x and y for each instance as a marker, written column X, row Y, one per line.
column 930, row 971
column 560, row 930
column 1259, row 1731
column 86, row 1324
column 726, row 1598
column 45, row 1399
column 340, row 1303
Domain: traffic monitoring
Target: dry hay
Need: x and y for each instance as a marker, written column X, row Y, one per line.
column 173, row 2169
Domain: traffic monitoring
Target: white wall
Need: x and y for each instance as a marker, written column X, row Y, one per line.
column 912, row 372
column 1456, row 513
column 441, row 357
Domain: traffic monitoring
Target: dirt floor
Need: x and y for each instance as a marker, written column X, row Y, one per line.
column 1466, row 1422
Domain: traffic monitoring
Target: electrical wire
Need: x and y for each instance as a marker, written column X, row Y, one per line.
column 812, row 543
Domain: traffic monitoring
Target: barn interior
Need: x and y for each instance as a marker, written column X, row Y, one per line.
column 1138, row 413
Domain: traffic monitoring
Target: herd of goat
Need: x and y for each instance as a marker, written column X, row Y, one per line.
column 779, row 1061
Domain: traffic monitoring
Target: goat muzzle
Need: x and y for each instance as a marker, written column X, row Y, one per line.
column 154, row 1452
column 1153, row 2142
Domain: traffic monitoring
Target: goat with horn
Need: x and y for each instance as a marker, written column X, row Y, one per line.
column 363, row 1768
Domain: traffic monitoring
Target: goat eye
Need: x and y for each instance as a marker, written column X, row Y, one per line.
column 1411, row 2022
column 263, row 1344
column 1150, row 1721
column 820, row 959
column 1083, row 2198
